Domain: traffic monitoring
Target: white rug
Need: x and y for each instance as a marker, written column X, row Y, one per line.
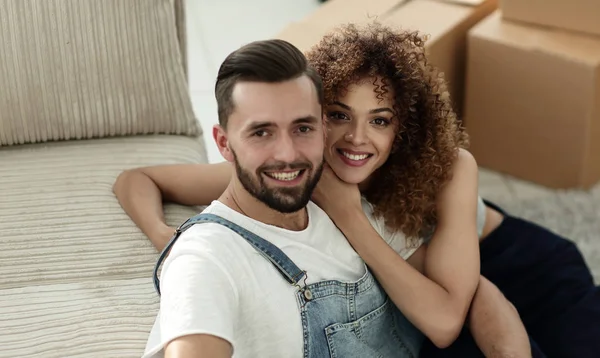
column 573, row 214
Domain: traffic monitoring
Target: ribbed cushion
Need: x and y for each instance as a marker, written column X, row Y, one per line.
column 75, row 272
column 181, row 22
column 73, row 69
column 104, row 318
column 59, row 219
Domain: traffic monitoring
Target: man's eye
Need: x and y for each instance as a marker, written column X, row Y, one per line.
column 304, row 129
column 260, row 133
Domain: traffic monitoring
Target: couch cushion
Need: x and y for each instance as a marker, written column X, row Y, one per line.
column 74, row 69
column 59, row 219
column 104, row 318
column 76, row 272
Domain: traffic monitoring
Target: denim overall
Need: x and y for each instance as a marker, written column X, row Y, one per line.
column 338, row 319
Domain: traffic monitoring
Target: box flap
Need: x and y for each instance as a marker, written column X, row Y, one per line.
column 471, row 3
column 464, row 2
column 342, row 11
column 574, row 15
column 431, row 17
column 307, row 32
column 561, row 43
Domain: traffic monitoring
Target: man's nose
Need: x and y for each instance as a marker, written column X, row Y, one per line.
column 285, row 150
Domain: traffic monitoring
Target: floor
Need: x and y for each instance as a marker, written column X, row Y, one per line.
column 214, row 31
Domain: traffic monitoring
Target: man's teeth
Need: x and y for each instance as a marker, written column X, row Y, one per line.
column 354, row 156
column 285, row 176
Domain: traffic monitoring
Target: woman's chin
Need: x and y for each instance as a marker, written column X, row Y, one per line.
column 350, row 176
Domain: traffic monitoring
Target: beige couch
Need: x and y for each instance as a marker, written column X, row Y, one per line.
column 87, row 89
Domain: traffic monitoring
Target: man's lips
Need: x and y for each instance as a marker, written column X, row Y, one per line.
column 287, row 177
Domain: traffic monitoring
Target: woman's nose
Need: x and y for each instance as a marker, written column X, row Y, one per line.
column 357, row 136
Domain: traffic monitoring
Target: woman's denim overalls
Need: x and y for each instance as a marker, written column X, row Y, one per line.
column 338, row 319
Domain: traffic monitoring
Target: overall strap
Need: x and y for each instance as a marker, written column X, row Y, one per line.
column 290, row 272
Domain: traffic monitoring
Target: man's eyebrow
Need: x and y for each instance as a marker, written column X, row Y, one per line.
column 254, row 126
column 306, row 119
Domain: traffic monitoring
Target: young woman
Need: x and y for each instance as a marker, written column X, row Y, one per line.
column 403, row 189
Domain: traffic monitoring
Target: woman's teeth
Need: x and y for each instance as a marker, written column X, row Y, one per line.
column 287, row 176
column 354, row 156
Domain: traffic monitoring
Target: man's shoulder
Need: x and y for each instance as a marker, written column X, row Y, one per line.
column 208, row 248
column 205, row 237
column 205, row 230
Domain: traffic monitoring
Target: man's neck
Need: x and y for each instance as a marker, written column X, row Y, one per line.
column 238, row 199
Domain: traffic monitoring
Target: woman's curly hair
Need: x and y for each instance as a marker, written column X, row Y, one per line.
column 428, row 136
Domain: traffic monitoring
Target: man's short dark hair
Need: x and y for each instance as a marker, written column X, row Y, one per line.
column 268, row 61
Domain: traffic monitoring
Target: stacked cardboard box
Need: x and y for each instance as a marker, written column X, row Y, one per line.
column 446, row 22
column 575, row 15
column 533, row 97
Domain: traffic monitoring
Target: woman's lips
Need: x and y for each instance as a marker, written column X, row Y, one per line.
column 353, row 158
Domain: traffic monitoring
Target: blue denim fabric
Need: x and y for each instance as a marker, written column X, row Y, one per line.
column 338, row 319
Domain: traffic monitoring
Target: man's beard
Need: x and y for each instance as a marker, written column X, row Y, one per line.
column 284, row 199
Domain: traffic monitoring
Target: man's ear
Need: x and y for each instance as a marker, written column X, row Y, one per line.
column 220, row 137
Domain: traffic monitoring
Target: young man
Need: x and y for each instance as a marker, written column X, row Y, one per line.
column 266, row 272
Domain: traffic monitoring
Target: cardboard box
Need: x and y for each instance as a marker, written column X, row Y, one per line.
column 533, row 102
column 445, row 21
column 307, row 32
column 574, row 15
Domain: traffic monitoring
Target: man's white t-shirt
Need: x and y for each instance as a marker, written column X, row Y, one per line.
column 215, row 282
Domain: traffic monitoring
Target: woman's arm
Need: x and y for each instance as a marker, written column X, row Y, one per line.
column 141, row 192
column 493, row 321
column 437, row 302
column 496, row 325
column 452, row 258
column 198, row 346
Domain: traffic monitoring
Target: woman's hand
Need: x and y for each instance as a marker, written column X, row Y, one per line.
column 163, row 234
column 336, row 197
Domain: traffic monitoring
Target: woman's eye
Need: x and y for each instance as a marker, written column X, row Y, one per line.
column 380, row 122
column 337, row 116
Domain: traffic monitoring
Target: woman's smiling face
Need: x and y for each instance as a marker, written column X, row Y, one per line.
column 361, row 131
